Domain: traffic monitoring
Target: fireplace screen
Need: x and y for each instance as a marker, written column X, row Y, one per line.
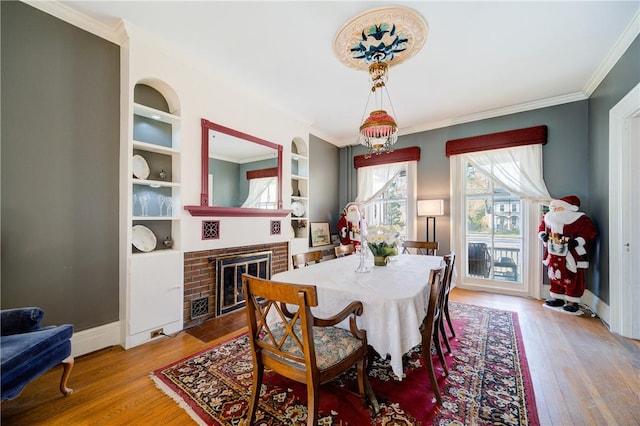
column 229, row 278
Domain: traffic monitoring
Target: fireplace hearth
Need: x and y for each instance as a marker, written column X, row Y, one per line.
column 229, row 278
column 201, row 278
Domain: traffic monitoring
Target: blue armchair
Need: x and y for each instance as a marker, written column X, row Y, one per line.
column 27, row 350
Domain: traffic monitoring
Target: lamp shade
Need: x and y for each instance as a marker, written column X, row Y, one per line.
column 430, row 207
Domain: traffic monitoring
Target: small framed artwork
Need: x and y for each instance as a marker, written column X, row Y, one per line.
column 335, row 239
column 320, row 234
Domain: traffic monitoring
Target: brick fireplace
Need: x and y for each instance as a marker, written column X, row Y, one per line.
column 201, row 272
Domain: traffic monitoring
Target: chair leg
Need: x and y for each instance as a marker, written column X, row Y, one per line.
column 313, row 401
column 446, row 314
column 67, row 365
column 364, row 387
column 258, row 371
column 428, row 364
column 444, row 334
column 436, row 342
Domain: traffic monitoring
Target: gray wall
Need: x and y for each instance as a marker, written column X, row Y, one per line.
column 323, row 183
column 60, row 156
column 624, row 76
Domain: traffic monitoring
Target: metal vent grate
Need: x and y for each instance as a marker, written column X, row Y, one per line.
column 199, row 307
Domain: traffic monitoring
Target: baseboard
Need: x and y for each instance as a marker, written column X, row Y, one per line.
column 598, row 306
column 93, row 339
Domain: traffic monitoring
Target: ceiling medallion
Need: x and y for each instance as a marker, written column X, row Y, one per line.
column 386, row 34
column 374, row 41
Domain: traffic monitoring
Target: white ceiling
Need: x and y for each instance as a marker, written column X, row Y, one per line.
column 481, row 58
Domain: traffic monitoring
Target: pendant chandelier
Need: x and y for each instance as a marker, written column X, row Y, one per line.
column 379, row 131
column 375, row 41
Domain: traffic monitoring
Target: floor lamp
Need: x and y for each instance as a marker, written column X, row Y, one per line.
column 431, row 209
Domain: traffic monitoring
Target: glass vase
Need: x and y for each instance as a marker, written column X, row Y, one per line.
column 380, row 260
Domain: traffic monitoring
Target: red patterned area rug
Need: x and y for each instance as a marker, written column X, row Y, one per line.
column 488, row 383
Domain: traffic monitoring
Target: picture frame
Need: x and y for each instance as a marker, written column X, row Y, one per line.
column 320, row 234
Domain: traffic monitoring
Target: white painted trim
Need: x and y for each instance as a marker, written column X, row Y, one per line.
column 624, row 109
column 114, row 34
column 616, row 52
column 93, row 339
column 597, row 306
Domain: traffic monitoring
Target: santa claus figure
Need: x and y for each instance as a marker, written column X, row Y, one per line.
column 567, row 235
column 349, row 224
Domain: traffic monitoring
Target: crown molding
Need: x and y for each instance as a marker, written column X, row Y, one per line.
column 499, row 112
column 620, row 46
column 115, row 34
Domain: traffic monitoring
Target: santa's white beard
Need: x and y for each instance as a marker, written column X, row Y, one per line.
column 557, row 220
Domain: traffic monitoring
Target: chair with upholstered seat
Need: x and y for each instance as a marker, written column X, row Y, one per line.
column 420, row 247
column 286, row 338
column 429, row 328
column 450, row 260
column 306, row 258
column 28, row 350
column 344, row 250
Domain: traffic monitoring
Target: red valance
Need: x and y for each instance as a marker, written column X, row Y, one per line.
column 509, row 139
column 262, row 173
column 395, row 156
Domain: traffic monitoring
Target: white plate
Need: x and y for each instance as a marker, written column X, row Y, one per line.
column 298, row 208
column 143, row 238
column 140, row 167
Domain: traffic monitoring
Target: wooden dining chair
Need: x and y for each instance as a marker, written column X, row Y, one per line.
column 450, row 260
column 344, row 250
column 421, row 247
column 429, row 328
column 300, row 346
column 306, row 258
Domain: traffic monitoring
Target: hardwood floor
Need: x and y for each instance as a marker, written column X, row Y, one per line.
column 582, row 374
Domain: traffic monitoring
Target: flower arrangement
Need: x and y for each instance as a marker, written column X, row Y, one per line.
column 383, row 240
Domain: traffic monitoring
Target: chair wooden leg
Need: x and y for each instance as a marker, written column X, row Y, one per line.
column 444, row 334
column 446, row 314
column 428, row 364
column 258, row 371
column 313, row 401
column 67, row 365
column 436, row 342
column 364, row 387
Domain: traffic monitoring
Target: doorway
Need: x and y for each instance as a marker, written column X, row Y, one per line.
column 624, row 240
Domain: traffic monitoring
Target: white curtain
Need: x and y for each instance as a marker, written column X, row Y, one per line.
column 374, row 180
column 257, row 188
column 517, row 169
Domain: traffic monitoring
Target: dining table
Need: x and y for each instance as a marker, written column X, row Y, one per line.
column 394, row 297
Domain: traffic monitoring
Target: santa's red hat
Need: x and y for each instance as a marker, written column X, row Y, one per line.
column 570, row 202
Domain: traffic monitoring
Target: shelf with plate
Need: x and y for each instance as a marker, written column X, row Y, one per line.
column 155, row 186
column 155, row 263
column 299, row 198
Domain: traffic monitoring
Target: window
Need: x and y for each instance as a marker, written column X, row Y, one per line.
column 493, row 237
column 390, row 207
column 387, row 188
column 498, row 248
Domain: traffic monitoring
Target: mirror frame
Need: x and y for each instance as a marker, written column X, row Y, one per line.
column 204, row 209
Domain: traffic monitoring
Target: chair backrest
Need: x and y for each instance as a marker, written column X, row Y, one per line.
column 279, row 346
column 421, row 247
column 450, row 260
column 344, row 250
column 306, row 258
column 437, row 278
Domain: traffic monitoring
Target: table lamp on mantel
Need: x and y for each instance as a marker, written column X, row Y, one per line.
column 431, row 209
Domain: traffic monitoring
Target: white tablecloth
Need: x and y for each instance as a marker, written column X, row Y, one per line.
column 394, row 297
